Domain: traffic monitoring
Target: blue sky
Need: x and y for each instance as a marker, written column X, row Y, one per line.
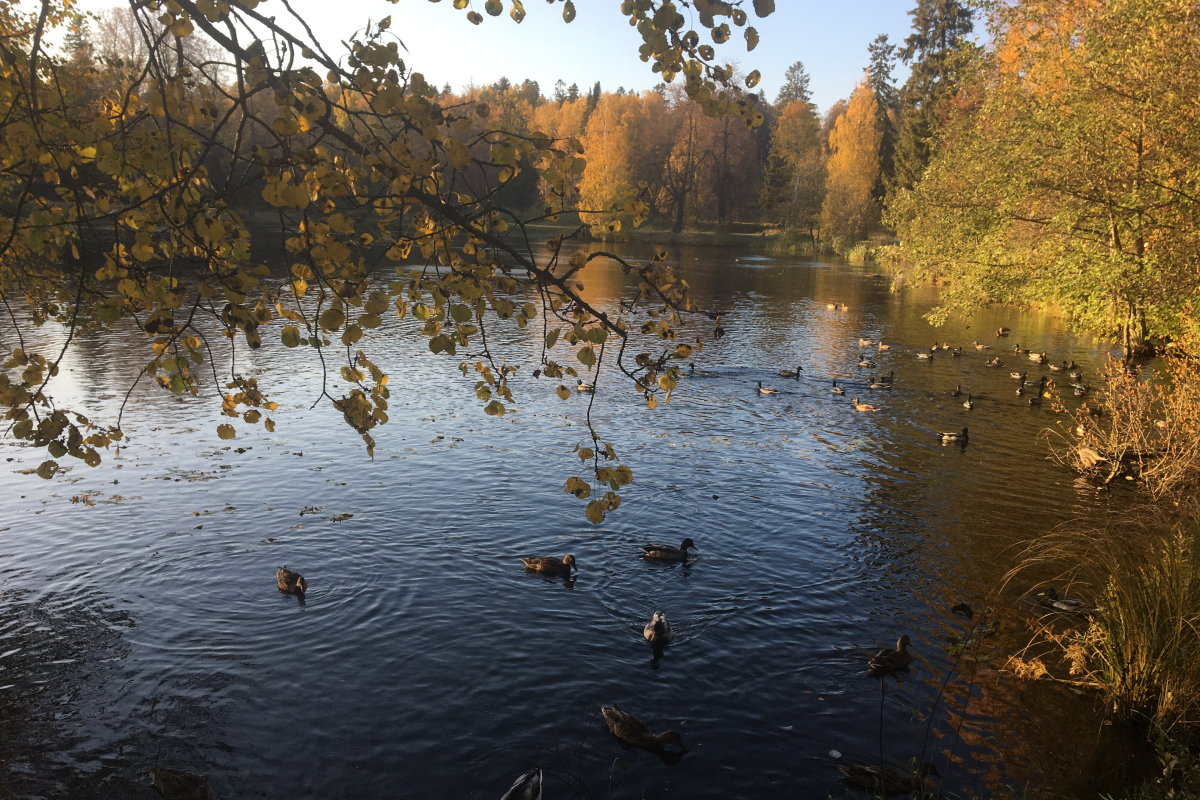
column 831, row 39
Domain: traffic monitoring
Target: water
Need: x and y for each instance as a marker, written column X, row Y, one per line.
column 145, row 628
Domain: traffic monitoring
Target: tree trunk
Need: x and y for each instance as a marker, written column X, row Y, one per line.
column 680, row 205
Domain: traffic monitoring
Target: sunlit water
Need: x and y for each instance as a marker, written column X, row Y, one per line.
column 141, row 624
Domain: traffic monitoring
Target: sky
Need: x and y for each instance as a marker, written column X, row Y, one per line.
column 831, row 39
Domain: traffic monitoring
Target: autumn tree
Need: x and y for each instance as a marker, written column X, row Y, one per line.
column 1071, row 177
column 117, row 184
column 849, row 208
column 794, row 182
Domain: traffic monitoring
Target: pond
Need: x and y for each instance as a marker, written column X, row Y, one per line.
column 141, row 624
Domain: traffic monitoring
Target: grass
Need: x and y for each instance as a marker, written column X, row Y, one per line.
column 1142, row 646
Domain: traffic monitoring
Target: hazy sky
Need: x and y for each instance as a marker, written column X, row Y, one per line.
column 831, row 39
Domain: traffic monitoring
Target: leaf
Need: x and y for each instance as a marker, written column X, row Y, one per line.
column 332, row 319
column 568, row 11
column 578, row 487
column 226, row 431
column 458, row 153
column 764, row 8
column 269, row 424
column 751, row 39
column 586, row 356
column 494, row 409
column 290, row 336
column 564, row 392
column 460, row 313
column 47, row 469
column 551, row 338
column 651, row 402
column 595, row 512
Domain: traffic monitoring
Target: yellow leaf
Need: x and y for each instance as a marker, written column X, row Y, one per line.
column 226, row 431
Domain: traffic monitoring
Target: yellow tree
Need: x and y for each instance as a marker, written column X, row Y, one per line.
column 849, row 209
column 794, row 182
column 615, row 133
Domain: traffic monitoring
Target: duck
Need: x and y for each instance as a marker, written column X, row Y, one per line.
column 1002, row 332
column 885, row 782
column 883, row 346
column 658, row 630
column 550, row 565
column 766, row 389
column 1062, row 367
column 887, row 661
column 994, row 363
column 925, row 356
column 1079, row 391
column 955, row 352
column 1036, row 400
column 879, row 384
column 1020, row 376
column 1075, row 376
column 178, row 784
column 693, row 371
column 665, row 552
column 969, row 403
column 1052, row 598
column 1038, row 357
column 956, row 391
column 981, row 346
column 1020, row 391
column 526, row 787
column 586, row 388
column 787, row 373
column 833, row 305
column 290, row 582
column 635, row 733
column 866, row 362
column 950, row 436
column 935, row 348
column 864, row 342
column 1039, row 382
column 837, row 389
column 863, row 406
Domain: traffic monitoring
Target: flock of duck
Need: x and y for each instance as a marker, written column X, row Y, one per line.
column 632, row 732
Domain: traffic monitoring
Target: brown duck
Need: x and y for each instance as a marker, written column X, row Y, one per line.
column 635, row 733
column 887, row 661
column 549, row 565
column 290, row 582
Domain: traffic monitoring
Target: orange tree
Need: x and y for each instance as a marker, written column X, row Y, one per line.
column 128, row 188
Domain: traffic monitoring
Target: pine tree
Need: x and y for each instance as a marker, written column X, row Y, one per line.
column 879, row 76
column 939, row 28
column 795, row 86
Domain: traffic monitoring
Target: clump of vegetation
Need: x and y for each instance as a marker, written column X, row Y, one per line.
column 859, row 252
column 1146, row 428
column 1142, row 644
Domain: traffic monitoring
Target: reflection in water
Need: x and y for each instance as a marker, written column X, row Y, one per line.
column 826, row 532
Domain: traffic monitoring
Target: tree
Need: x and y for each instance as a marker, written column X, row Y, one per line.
column 795, row 86
column 879, row 74
column 1069, row 175
column 849, row 208
column 122, row 194
column 794, row 183
column 933, row 49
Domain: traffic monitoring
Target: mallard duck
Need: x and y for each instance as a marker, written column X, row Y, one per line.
column 1020, row 376
column 950, row 436
column 887, row 661
column 580, row 386
column 549, row 565
column 878, row 384
column 1038, row 357
column 935, row 348
column 658, row 630
column 1002, row 332
column 886, row 782
column 1049, row 596
column 290, row 582
column 994, row 363
column 665, row 552
column 526, row 787
column 1036, row 400
column 831, row 305
column 693, row 371
column 956, row 391
column 1063, row 367
column 177, row 784
column 635, row 733
column 837, row 389
column 925, row 356
column 955, row 352
column 1075, row 376
column 787, row 373
column 1079, row 391
column 1020, row 391
column 863, row 406
column 981, row 346
column 864, row 342
column 866, row 362
column 766, row 389
column 969, row 404
column 1039, row 382
column 883, row 346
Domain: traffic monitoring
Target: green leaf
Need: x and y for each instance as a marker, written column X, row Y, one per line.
column 57, row 449
column 568, row 11
column 551, row 338
column 290, row 336
column 47, row 469
column 764, row 8
column 460, row 313
column 595, row 512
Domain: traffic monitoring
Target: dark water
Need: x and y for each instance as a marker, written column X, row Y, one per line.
column 142, row 624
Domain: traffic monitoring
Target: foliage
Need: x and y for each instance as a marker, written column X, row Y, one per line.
column 127, row 186
column 795, row 87
column 794, row 182
column 879, row 74
column 1071, row 177
column 849, row 208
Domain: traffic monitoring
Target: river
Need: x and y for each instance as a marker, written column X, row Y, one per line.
column 141, row 624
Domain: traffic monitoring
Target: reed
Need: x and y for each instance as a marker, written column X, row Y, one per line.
column 859, row 252
column 1142, row 646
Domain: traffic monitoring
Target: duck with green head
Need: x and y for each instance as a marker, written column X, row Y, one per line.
column 665, row 552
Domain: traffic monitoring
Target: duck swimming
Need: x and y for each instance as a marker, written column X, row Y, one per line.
column 956, row 391
column 887, row 661
column 1020, row 376
column 863, row 406
column 526, row 787
column 665, row 552
column 951, row 436
column 635, row 733
column 787, row 373
column 969, row 404
column 878, row 384
column 290, row 582
column 549, row 565
column 580, row 386
column 837, row 389
column 658, row 631
column 883, row 346
column 866, row 362
column 766, row 389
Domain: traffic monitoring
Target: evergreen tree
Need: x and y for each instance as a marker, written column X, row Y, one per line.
column 573, row 93
column 77, row 41
column 879, row 77
column 560, row 91
column 939, row 28
column 795, row 86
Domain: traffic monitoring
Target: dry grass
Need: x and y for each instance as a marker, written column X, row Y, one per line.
column 1142, row 646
